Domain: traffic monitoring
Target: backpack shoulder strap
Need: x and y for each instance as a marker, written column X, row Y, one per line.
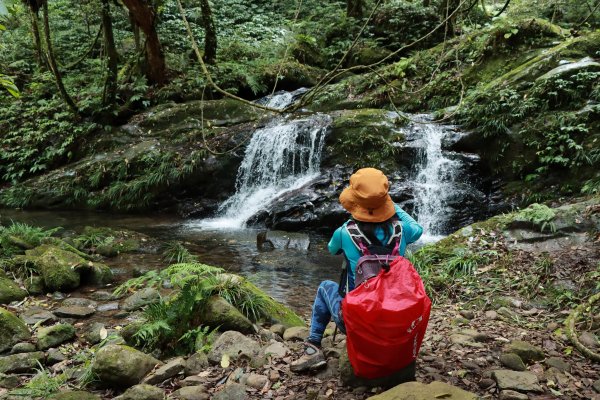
column 360, row 241
column 396, row 236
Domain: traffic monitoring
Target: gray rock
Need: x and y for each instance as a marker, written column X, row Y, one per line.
column 9, row 381
column 276, row 350
column 256, row 381
column 468, row 314
column 23, row 362
column 512, row 361
column 122, row 366
column 236, row 346
column 596, row 386
column 167, row 371
column 54, row 335
column 558, row 363
column 142, row 392
column 422, row 391
column 331, row 371
column 519, row 381
column 195, row 364
column 512, row 395
column 74, row 312
column 193, row 380
column 141, row 299
column 507, row 313
column 38, row 316
column 277, row 329
column 108, row 306
column 589, row 340
column 79, row 301
column 54, row 356
column 491, row 315
column 191, row 393
column 234, row 391
column 296, row 333
column 74, row 395
column 219, row 313
column 525, row 350
column 585, row 64
column 23, row 347
column 12, row 329
column 102, row 295
column 93, row 333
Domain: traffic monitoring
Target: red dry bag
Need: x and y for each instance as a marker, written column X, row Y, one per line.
column 385, row 319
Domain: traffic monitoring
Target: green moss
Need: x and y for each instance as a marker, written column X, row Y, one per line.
column 13, row 330
column 9, row 290
column 57, row 267
column 54, row 335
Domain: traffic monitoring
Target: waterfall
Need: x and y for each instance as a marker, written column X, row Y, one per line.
column 282, row 156
column 436, row 181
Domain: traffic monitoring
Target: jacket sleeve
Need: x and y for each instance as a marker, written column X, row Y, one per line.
column 335, row 244
column 411, row 230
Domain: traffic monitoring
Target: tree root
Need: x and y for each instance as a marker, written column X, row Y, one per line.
column 572, row 333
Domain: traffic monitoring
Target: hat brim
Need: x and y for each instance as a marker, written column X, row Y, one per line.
column 349, row 201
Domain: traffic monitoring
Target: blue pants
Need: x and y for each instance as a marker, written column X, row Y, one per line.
column 328, row 304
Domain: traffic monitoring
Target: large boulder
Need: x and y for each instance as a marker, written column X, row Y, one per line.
column 121, row 366
column 219, row 313
column 140, row 299
column 57, row 267
column 9, row 290
column 236, row 346
column 422, row 391
column 54, row 335
column 13, row 330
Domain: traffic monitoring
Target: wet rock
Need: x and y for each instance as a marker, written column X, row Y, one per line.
column 195, row 364
column 276, row 350
column 122, row 366
column 282, row 240
column 9, row 290
column 108, row 306
column 9, row 381
column 12, row 329
column 95, row 333
column 256, row 381
column 167, row 371
column 236, row 346
column 142, row 392
column 572, row 68
column 512, row 361
column 421, row 391
column 102, row 295
column 74, row 312
column 296, row 333
column 234, row 391
column 512, row 395
column 54, row 356
column 525, row 350
column 57, row 267
column 141, row 299
column 74, row 395
column 23, row 362
column 38, row 316
column 519, row 381
column 23, row 348
column 349, row 379
column 558, row 363
column 219, row 313
column 191, row 393
column 54, row 335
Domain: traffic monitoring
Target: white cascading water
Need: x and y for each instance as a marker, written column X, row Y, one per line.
column 435, row 181
column 282, row 156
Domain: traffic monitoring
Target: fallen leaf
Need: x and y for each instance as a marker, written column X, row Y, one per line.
column 225, row 361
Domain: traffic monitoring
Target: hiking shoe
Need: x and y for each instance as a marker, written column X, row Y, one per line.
column 311, row 360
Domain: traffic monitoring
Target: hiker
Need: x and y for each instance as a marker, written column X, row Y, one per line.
column 379, row 220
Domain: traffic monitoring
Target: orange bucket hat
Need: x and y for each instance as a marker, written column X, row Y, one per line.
column 367, row 197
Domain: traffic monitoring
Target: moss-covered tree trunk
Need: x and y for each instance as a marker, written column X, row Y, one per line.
column 35, row 32
column 52, row 62
column 112, row 57
column 210, row 33
column 354, row 8
column 144, row 17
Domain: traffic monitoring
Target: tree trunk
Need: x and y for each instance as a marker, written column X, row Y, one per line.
column 447, row 7
column 112, row 57
column 52, row 62
column 144, row 17
column 35, row 31
column 210, row 33
column 354, row 8
column 136, row 32
column 426, row 3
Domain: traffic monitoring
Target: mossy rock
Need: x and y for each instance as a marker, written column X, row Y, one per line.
column 13, row 330
column 55, row 335
column 57, row 267
column 97, row 274
column 34, row 285
column 74, row 395
column 9, row 290
column 218, row 313
column 120, row 366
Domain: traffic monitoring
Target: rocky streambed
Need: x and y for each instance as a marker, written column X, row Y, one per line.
column 502, row 290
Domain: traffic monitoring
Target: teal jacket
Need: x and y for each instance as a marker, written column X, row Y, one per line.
column 342, row 243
